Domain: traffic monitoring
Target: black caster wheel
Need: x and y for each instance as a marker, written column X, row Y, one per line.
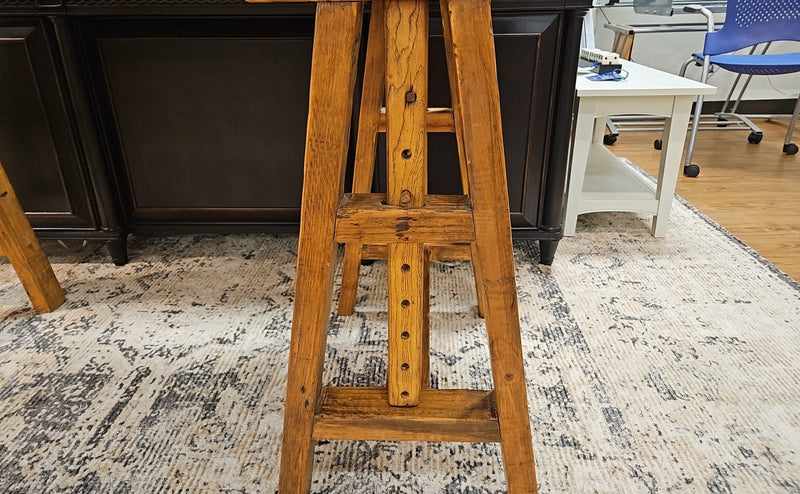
column 657, row 144
column 790, row 148
column 691, row 170
column 722, row 122
column 609, row 139
column 755, row 137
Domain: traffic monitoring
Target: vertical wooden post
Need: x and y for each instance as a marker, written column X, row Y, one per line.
column 468, row 31
column 407, row 145
column 20, row 245
column 337, row 35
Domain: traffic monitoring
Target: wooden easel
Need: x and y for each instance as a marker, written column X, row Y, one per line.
column 19, row 244
column 406, row 219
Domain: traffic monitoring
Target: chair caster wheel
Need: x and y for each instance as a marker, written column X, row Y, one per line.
column 691, row 170
column 658, row 144
column 790, row 148
column 755, row 137
column 609, row 139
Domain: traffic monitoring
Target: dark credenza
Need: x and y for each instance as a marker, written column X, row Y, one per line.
column 189, row 116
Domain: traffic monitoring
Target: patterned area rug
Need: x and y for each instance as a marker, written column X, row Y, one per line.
column 653, row 365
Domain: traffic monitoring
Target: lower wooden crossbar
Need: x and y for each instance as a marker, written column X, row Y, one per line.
column 361, row 413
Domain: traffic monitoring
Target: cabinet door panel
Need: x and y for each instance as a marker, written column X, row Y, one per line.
column 209, row 125
column 36, row 143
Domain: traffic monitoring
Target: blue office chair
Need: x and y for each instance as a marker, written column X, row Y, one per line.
column 748, row 23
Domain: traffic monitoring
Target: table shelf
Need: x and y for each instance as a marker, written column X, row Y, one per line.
column 610, row 184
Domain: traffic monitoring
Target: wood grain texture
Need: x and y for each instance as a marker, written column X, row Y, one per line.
column 408, row 328
column 19, row 244
column 406, row 101
column 458, row 123
column 367, row 219
column 336, row 40
column 467, row 27
column 407, row 160
column 372, row 94
column 443, row 415
column 436, row 120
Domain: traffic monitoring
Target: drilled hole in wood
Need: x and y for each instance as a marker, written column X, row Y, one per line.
column 405, row 268
column 405, row 335
column 404, row 395
column 406, row 154
column 405, row 304
column 404, row 367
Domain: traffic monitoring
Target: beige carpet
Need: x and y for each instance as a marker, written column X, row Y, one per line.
column 653, row 365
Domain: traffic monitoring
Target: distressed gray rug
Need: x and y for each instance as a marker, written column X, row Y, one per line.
column 653, row 365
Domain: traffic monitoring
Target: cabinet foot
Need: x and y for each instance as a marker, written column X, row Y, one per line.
column 547, row 251
column 118, row 249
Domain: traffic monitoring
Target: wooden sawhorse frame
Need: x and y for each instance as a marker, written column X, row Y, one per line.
column 407, row 220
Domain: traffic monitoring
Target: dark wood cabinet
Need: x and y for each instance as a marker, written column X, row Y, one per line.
column 37, row 141
column 204, row 119
column 190, row 116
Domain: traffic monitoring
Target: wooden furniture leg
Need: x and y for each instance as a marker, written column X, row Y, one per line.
column 20, row 245
column 337, row 35
column 468, row 33
column 366, row 144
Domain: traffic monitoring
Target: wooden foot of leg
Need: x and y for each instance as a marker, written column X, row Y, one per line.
column 20, row 245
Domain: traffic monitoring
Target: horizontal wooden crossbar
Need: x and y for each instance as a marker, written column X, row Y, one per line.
column 451, row 252
column 366, row 219
column 436, row 120
column 442, row 415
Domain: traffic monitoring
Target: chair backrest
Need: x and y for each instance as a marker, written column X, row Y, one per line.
column 749, row 22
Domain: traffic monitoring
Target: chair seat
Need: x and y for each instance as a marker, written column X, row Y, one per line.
column 768, row 64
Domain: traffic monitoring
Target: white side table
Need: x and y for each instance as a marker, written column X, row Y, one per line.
column 598, row 180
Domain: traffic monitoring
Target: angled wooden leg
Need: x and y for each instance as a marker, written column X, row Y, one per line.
column 458, row 120
column 337, row 34
column 366, row 143
column 468, row 31
column 20, row 245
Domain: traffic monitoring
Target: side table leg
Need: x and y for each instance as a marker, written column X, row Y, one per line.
column 584, row 129
column 673, row 139
column 337, row 33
